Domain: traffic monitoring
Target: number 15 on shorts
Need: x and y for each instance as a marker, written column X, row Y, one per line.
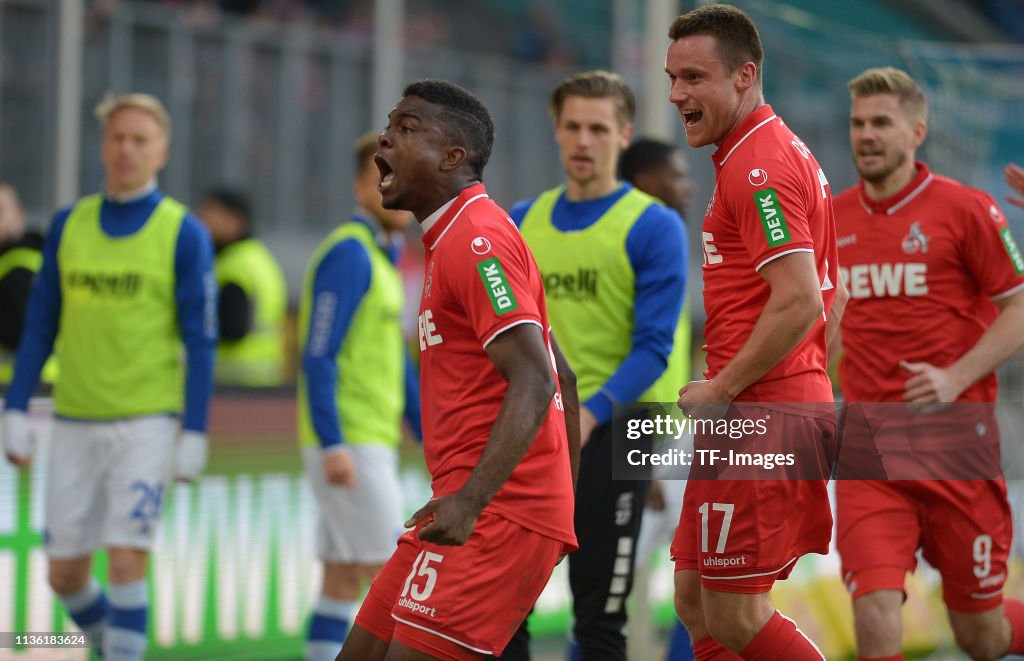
column 723, row 533
column 421, row 567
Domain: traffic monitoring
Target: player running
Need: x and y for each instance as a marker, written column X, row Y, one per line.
column 926, row 253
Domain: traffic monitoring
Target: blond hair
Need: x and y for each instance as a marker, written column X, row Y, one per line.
column 889, row 80
column 111, row 103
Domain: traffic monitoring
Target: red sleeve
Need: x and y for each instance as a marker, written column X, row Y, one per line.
column 988, row 247
column 769, row 200
column 491, row 277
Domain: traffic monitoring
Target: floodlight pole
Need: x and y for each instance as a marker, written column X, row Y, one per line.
column 388, row 57
column 655, row 110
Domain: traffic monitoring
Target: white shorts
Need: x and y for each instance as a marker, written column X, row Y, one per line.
column 658, row 527
column 106, row 483
column 360, row 525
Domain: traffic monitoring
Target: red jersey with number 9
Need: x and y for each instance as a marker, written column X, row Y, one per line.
column 771, row 199
column 480, row 280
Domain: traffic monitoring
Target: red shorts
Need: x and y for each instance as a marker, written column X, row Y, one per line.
column 964, row 529
column 460, row 602
column 742, row 535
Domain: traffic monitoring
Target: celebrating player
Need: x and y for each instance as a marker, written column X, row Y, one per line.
column 924, row 252
column 769, row 275
column 126, row 278
column 356, row 380
column 494, row 430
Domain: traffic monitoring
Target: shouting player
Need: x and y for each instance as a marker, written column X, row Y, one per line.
column 495, row 421
column 769, row 286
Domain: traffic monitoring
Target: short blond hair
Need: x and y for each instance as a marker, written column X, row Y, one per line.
column 111, row 103
column 889, row 80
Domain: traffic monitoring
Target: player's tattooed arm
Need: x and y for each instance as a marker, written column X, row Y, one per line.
column 571, row 404
column 522, row 358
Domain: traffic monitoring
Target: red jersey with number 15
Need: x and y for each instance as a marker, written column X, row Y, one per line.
column 771, row 199
column 923, row 268
column 480, row 280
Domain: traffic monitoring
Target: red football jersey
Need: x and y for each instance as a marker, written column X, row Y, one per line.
column 480, row 279
column 922, row 268
column 771, row 199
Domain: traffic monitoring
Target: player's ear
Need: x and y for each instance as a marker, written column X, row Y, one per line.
column 920, row 132
column 745, row 76
column 453, row 158
column 627, row 135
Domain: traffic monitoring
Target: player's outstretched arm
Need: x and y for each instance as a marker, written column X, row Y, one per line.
column 793, row 306
column 521, row 357
column 571, row 404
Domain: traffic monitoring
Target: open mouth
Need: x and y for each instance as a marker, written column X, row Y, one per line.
column 387, row 173
column 691, row 117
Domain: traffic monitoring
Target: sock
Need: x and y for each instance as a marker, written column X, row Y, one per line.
column 1013, row 610
column 573, row 651
column 709, row 649
column 89, row 609
column 679, row 647
column 327, row 628
column 780, row 639
column 898, row 657
column 125, row 638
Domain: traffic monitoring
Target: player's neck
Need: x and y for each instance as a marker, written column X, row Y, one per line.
column 893, row 184
column 577, row 191
column 124, row 194
column 746, row 106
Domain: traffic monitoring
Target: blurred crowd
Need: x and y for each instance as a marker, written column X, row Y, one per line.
column 538, row 33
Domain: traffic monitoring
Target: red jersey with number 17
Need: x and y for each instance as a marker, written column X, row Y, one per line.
column 771, row 199
column 480, row 280
column 923, row 268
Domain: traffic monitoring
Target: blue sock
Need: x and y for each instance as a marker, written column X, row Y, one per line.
column 328, row 626
column 125, row 639
column 89, row 609
column 573, row 651
column 680, row 648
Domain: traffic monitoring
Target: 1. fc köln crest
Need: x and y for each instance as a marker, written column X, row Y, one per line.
column 915, row 241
